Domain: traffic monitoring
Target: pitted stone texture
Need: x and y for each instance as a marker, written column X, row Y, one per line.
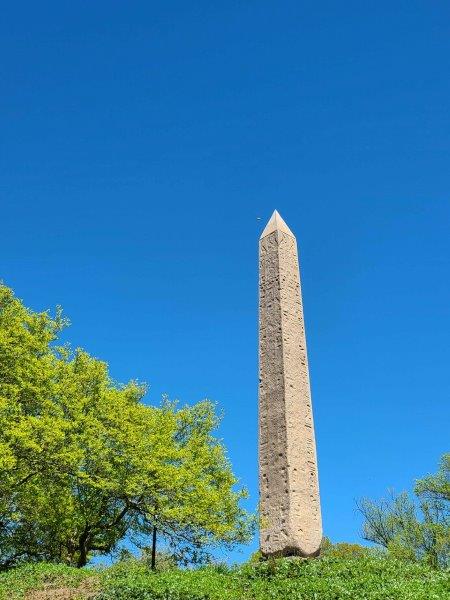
column 289, row 490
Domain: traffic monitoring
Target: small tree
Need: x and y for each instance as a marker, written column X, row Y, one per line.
column 200, row 508
column 395, row 524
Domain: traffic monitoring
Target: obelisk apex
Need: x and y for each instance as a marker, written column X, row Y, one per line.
column 291, row 521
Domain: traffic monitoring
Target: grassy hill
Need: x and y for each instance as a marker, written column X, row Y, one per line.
column 368, row 577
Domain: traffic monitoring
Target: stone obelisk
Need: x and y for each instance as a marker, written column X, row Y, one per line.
column 291, row 523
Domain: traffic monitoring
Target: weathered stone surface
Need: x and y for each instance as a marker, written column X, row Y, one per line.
column 289, row 490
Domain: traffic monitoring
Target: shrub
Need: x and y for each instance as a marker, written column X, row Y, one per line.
column 360, row 576
column 356, row 577
column 16, row 583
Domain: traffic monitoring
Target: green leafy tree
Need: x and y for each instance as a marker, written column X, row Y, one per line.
column 84, row 463
column 32, row 438
column 415, row 530
column 198, row 508
column 342, row 550
column 433, row 493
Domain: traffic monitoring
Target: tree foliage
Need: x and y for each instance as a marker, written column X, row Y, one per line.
column 84, row 462
column 342, row 549
column 416, row 530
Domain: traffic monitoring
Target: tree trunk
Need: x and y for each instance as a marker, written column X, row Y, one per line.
column 82, row 557
column 82, row 548
column 154, row 549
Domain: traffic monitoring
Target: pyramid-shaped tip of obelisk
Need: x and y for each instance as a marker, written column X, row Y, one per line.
column 276, row 223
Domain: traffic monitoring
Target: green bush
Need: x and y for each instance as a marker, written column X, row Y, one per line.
column 346, row 550
column 15, row 584
column 362, row 577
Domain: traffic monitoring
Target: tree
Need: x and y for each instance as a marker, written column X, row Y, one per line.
column 417, row 530
column 198, row 508
column 433, row 493
column 84, row 462
column 342, row 549
column 31, row 437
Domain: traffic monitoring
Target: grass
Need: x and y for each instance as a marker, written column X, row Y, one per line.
column 39, row 581
column 369, row 577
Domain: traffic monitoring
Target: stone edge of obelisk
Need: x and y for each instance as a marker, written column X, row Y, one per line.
column 276, row 223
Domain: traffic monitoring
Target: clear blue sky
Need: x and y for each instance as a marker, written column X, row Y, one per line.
column 140, row 142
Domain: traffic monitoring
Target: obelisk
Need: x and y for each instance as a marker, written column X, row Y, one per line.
column 290, row 516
